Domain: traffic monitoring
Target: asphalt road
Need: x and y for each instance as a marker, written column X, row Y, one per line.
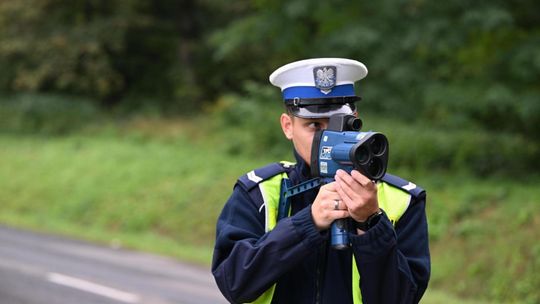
column 38, row 268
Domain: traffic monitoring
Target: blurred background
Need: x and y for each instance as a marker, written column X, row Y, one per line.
column 128, row 122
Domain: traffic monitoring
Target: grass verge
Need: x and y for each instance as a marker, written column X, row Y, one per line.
column 159, row 186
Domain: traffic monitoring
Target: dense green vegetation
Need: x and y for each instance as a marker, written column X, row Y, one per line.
column 469, row 63
column 95, row 143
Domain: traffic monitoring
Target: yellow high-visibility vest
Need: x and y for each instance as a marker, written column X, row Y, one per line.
column 394, row 201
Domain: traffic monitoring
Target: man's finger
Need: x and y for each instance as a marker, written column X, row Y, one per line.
column 343, row 176
column 361, row 179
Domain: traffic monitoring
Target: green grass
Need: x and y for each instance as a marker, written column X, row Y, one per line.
column 159, row 186
column 137, row 188
column 433, row 296
column 482, row 237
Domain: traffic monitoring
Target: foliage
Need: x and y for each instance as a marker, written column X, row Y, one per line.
column 457, row 62
column 456, row 65
column 62, row 46
column 248, row 125
column 112, row 51
column 452, row 63
column 242, row 128
column 473, row 151
column 46, row 114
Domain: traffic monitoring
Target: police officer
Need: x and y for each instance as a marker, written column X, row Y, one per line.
column 258, row 259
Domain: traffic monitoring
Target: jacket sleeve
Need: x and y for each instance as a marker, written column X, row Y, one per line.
column 395, row 263
column 247, row 261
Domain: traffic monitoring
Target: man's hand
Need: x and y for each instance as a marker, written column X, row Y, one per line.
column 358, row 193
column 324, row 210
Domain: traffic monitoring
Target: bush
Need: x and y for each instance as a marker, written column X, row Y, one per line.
column 469, row 150
column 45, row 114
column 249, row 124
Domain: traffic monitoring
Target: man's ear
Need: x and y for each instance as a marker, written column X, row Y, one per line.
column 287, row 125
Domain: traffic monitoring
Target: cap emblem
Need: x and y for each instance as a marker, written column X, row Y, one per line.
column 325, row 78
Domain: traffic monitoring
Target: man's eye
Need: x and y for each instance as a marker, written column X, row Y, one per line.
column 315, row 126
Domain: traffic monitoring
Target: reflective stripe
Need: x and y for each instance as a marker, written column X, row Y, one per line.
column 410, row 186
column 253, row 177
column 394, row 202
column 356, row 293
column 270, row 191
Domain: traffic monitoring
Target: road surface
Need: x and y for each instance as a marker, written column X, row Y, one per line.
column 38, row 268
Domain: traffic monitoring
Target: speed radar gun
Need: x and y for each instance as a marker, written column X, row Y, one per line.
column 340, row 146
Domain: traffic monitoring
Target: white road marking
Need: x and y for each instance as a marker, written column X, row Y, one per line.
column 87, row 286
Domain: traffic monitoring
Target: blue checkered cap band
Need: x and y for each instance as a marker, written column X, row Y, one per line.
column 313, row 92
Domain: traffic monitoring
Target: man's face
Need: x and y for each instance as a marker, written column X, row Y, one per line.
column 301, row 131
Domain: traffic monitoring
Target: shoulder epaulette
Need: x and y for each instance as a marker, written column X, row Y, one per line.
column 251, row 179
column 398, row 182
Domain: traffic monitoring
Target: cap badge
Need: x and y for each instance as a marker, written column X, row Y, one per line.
column 325, row 78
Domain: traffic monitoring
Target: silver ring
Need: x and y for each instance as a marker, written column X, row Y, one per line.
column 336, row 204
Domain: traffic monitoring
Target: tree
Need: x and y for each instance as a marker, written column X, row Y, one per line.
column 114, row 51
column 472, row 64
column 51, row 45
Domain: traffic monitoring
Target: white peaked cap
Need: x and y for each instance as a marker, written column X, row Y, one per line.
column 319, row 87
column 300, row 73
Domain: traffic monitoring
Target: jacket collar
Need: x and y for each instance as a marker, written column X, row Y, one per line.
column 302, row 167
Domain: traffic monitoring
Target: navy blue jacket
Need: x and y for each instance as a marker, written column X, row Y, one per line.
column 394, row 263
